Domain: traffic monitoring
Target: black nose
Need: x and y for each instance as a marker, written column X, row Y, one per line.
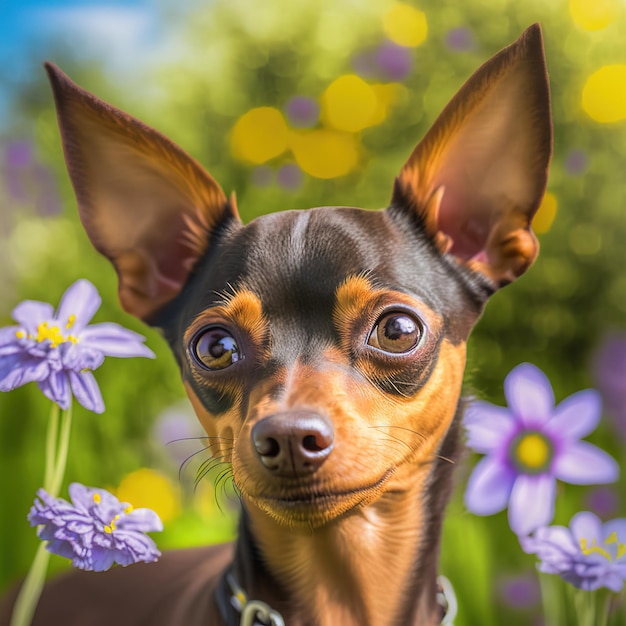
column 293, row 443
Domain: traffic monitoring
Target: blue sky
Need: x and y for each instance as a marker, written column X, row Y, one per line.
column 124, row 34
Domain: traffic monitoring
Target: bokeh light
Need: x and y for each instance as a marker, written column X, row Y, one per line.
column 387, row 95
column 609, row 365
column 325, row 153
column 603, row 501
column 460, row 39
column 594, row 14
column 393, row 61
column 405, row 25
column 576, row 162
column 545, row 214
column 302, row 112
column 349, row 104
column 259, row 135
column 521, row 591
column 289, row 177
column 148, row 488
column 604, row 94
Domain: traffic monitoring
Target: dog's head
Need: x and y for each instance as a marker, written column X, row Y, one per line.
column 323, row 350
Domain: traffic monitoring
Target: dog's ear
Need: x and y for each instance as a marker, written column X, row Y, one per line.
column 478, row 176
column 146, row 205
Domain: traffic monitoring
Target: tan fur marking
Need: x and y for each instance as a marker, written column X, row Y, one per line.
column 242, row 309
column 352, row 565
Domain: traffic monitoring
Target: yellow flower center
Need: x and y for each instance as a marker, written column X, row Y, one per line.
column 53, row 334
column 110, row 527
column 594, row 548
column 533, row 451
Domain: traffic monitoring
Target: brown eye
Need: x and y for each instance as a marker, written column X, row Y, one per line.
column 217, row 349
column 396, row 333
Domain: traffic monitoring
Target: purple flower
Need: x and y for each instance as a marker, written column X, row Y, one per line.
column 576, row 162
column 604, row 501
column 529, row 445
column 96, row 530
column 460, row 39
column 18, row 154
column 520, row 592
column 58, row 350
column 609, row 368
column 588, row 554
column 302, row 112
column 289, row 176
column 395, row 62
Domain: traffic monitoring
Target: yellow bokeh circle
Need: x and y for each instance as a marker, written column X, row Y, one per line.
column 604, row 94
column 325, row 153
column 594, row 14
column 545, row 214
column 149, row 488
column 259, row 135
column 405, row 25
column 349, row 104
column 387, row 94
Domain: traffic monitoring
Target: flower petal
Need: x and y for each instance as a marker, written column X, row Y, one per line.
column 532, row 502
column 78, row 305
column 101, row 559
column 8, row 336
column 582, row 463
column 489, row 487
column 617, row 526
column 586, row 525
column 134, row 547
column 77, row 532
column 86, row 391
column 31, row 313
column 115, row 340
column 144, row 520
column 56, row 388
column 79, row 357
column 529, row 395
column 613, row 581
column 577, row 416
column 488, row 426
column 554, row 546
column 18, row 369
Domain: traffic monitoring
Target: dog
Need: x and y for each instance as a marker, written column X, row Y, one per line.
column 323, row 351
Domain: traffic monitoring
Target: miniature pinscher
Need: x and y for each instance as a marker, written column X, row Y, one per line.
column 323, row 351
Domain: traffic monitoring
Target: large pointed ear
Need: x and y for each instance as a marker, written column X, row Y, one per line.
column 146, row 205
column 478, row 176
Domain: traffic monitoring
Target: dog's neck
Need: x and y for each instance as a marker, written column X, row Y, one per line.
column 374, row 567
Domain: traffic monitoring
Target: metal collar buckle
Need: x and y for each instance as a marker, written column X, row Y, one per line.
column 253, row 612
column 257, row 613
column 446, row 599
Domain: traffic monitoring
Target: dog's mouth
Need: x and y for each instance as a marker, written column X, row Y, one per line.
column 316, row 505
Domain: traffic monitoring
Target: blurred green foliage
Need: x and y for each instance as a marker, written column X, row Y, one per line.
column 238, row 55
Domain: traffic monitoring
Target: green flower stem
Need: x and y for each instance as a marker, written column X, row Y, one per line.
column 61, row 454
column 30, row 591
column 51, row 444
column 57, row 446
column 553, row 600
column 565, row 605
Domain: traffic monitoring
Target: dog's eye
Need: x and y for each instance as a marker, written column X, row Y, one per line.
column 217, row 349
column 396, row 333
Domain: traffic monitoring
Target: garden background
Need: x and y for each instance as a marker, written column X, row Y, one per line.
column 258, row 92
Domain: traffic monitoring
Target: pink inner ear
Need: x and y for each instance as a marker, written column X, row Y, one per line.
column 465, row 222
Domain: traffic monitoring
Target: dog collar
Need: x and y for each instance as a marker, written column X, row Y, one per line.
column 238, row 610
